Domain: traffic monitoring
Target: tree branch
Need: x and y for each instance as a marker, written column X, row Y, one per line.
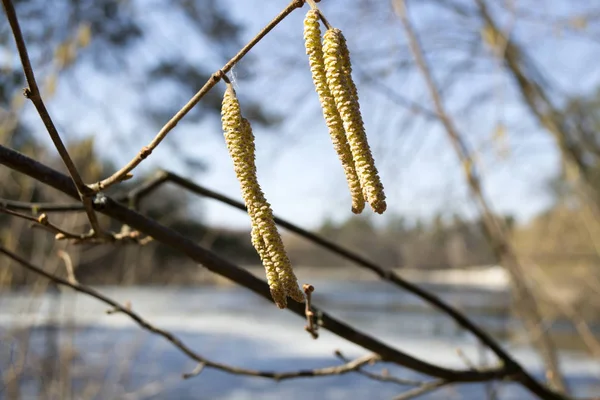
column 421, row 390
column 216, row 264
column 212, row 81
column 351, row 366
column 33, row 94
column 43, row 222
column 162, row 177
column 136, row 195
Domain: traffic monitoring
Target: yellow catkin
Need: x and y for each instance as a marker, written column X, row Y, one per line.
column 314, row 50
column 339, row 79
column 265, row 237
column 262, row 218
column 277, row 291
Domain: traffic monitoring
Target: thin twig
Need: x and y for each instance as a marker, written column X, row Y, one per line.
column 421, row 390
column 125, row 236
column 212, row 81
column 68, row 266
column 383, row 377
column 310, row 327
column 313, row 5
column 461, row 354
column 144, row 324
column 197, row 371
column 33, row 94
column 495, row 233
column 43, row 222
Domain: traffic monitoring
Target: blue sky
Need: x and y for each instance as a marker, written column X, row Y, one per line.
column 297, row 166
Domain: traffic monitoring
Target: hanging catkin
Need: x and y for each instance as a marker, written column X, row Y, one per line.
column 265, row 237
column 342, row 87
column 314, row 50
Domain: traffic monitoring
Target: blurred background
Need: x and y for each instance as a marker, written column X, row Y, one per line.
column 114, row 71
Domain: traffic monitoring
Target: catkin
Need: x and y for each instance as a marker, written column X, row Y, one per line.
column 265, row 237
column 314, row 50
column 339, row 79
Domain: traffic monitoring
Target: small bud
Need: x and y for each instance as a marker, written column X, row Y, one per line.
column 43, row 219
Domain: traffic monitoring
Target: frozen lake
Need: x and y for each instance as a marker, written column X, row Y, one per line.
column 114, row 359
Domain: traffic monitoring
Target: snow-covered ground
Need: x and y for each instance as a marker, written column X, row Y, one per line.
column 233, row 326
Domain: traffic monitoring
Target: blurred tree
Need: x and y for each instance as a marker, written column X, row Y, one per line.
column 582, row 116
column 109, row 38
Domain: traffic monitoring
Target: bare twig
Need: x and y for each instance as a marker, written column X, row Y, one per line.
column 127, row 305
column 33, row 94
column 421, row 390
column 382, row 377
column 313, row 5
column 495, row 233
column 212, row 81
column 68, row 266
column 278, row 376
column 461, row 354
column 197, row 371
column 310, row 327
column 43, row 222
column 60, row 234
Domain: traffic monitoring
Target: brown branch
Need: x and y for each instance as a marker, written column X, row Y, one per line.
column 212, row 81
column 310, row 327
column 43, row 222
column 313, row 5
column 107, row 206
column 383, row 377
column 495, row 233
column 33, row 94
column 68, row 266
column 351, row 366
